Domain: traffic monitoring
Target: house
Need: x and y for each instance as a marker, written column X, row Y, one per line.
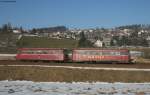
column 98, row 43
column 148, row 40
column 16, row 31
column 106, row 41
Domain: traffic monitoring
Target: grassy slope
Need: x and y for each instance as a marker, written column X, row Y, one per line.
column 47, row 42
column 4, row 38
column 69, row 75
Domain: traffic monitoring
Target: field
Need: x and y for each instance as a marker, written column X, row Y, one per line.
column 69, row 75
column 44, row 42
column 38, row 80
column 54, row 74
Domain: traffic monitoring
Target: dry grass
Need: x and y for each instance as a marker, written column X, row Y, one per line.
column 142, row 60
column 69, row 75
column 44, row 42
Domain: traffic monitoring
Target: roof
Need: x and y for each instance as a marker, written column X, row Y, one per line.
column 101, row 49
column 40, row 49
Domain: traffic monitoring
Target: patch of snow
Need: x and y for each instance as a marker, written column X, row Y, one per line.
column 74, row 88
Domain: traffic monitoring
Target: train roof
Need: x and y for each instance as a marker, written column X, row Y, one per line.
column 103, row 49
column 40, row 49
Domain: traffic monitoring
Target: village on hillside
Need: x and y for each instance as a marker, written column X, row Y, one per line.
column 122, row 36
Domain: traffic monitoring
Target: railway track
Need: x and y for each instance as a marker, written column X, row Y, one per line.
column 108, row 65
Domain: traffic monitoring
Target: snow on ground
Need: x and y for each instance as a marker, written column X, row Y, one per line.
column 74, row 88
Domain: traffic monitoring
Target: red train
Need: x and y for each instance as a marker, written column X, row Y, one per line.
column 74, row 55
column 40, row 54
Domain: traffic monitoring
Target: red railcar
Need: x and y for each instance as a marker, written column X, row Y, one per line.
column 49, row 54
column 101, row 55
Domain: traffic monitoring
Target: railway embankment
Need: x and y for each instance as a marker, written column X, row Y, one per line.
column 54, row 74
column 68, row 72
column 11, row 69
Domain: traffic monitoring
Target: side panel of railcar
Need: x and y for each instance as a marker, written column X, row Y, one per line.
column 40, row 54
column 80, row 55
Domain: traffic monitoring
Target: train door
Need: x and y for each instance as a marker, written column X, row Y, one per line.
column 68, row 55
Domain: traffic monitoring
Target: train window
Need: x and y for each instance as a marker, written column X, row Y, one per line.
column 89, row 53
column 97, row 53
column 58, row 51
column 117, row 53
column 22, row 52
column 124, row 53
column 93, row 53
column 38, row 52
column 114, row 53
column 30, row 52
column 80, row 52
column 26, row 52
column 45, row 52
column 105, row 53
column 100, row 53
column 19, row 52
column 51, row 52
column 84, row 52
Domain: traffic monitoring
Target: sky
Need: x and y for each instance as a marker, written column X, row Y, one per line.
column 75, row 13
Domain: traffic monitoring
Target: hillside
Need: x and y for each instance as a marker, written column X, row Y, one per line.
column 8, row 42
column 44, row 42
